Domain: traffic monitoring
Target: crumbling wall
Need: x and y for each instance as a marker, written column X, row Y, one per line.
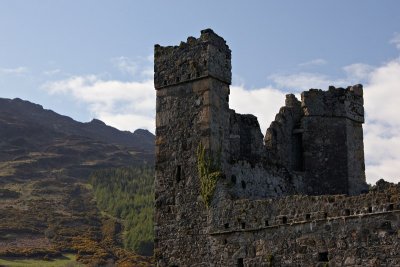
column 321, row 137
column 248, row 172
column 283, row 138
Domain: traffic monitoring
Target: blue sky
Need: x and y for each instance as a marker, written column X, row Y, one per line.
column 91, row 58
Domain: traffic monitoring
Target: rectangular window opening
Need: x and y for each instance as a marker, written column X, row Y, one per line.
column 323, row 256
column 178, row 173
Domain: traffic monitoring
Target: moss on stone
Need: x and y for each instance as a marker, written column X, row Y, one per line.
column 209, row 172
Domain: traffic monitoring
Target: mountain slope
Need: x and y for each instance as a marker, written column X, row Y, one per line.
column 37, row 118
column 47, row 205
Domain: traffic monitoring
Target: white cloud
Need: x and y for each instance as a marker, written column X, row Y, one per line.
column 263, row 103
column 396, row 40
column 139, row 68
column 382, row 98
column 125, row 65
column 358, row 72
column 303, row 81
column 382, row 128
column 18, row 70
column 51, row 72
column 124, row 105
column 314, row 62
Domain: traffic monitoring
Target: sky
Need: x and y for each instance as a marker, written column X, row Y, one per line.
column 94, row 58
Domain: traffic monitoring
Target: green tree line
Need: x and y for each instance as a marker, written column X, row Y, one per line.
column 128, row 193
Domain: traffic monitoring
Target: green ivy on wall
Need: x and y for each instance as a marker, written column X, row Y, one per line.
column 209, row 172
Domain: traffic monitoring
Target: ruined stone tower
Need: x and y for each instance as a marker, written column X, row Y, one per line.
column 259, row 206
column 192, row 82
column 321, row 138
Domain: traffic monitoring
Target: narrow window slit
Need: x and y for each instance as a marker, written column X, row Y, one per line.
column 243, row 184
column 178, row 173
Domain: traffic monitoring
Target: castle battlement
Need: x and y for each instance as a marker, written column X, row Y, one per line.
column 336, row 102
column 205, row 56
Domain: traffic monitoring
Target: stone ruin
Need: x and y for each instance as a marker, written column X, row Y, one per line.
column 227, row 196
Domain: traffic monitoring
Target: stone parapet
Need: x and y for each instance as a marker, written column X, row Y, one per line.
column 197, row 58
column 336, row 102
column 247, row 214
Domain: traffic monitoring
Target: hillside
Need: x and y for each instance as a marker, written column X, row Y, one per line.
column 45, row 195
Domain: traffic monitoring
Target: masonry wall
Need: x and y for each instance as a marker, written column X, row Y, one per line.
column 332, row 140
column 259, row 212
column 283, row 139
column 331, row 230
column 192, row 107
column 180, row 219
column 324, row 144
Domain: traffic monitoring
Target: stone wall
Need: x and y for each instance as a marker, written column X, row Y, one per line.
column 197, row 58
column 333, row 140
column 283, row 139
column 331, row 230
column 190, row 111
column 262, row 211
column 321, row 137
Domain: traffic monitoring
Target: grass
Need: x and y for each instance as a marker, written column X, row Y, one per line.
column 69, row 260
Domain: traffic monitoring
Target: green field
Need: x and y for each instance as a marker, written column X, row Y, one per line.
column 67, row 261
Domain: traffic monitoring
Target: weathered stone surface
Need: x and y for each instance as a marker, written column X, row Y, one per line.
column 262, row 211
column 197, row 58
column 336, row 102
